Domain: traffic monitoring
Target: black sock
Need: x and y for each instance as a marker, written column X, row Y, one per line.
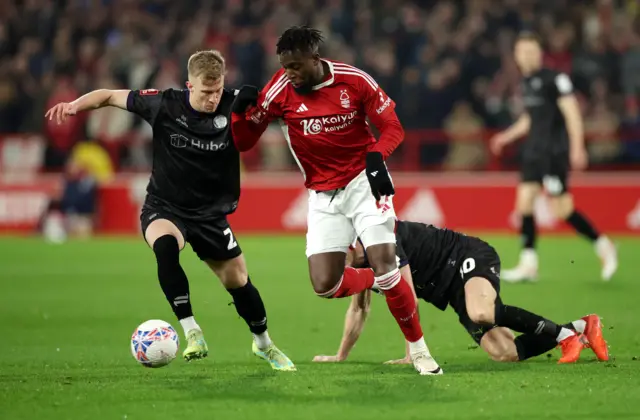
column 250, row 307
column 582, row 225
column 525, row 322
column 528, row 231
column 531, row 345
column 173, row 280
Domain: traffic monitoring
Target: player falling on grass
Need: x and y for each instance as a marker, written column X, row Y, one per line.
column 322, row 106
column 194, row 185
column 451, row 269
column 555, row 144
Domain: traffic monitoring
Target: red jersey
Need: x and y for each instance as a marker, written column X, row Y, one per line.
column 326, row 129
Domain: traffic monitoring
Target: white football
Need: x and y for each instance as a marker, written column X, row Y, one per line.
column 154, row 343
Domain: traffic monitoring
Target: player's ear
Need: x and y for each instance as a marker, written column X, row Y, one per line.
column 189, row 85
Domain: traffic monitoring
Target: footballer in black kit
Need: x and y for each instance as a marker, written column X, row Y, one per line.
column 448, row 268
column 554, row 145
column 194, row 185
column 195, row 179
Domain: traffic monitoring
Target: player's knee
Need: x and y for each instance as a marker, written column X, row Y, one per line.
column 382, row 258
column 562, row 206
column 526, row 197
column 481, row 314
column 324, row 282
column 504, row 355
column 499, row 345
column 167, row 250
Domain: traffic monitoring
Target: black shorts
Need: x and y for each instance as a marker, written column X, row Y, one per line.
column 551, row 172
column 210, row 239
column 478, row 259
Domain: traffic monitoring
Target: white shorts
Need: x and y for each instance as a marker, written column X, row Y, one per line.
column 335, row 220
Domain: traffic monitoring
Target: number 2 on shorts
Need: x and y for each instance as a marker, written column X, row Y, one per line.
column 232, row 241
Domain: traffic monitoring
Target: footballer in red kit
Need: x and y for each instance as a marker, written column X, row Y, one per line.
column 322, row 107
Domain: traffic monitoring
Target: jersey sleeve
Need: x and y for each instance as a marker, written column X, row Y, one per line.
column 380, row 109
column 562, row 85
column 248, row 128
column 377, row 104
column 146, row 103
column 268, row 107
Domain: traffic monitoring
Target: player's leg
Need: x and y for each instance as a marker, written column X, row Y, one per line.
column 564, row 209
column 485, row 308
column 502, row 346
column 499, row 344
column 375, row 225
column 528, row 190
column 163, row 235
column 329, row 235
column 215, row 244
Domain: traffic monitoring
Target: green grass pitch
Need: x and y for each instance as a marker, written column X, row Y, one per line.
column 68, row 312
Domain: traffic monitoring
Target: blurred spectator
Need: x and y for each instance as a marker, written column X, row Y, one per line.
column 602, row 125
column 466, row 148
column 72, row 214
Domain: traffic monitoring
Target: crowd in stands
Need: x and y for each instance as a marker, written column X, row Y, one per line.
column 447, row 64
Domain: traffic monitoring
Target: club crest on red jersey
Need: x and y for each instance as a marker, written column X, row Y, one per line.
column 345, row 101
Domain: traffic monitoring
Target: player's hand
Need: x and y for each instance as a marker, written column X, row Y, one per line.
column 61, row 111
column 247, row 96
column 497, row 143
column 403, row 361
column 329, row 359
column 378, row 176
column 579, row 159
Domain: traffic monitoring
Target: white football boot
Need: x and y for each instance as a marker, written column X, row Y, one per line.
column 608, row 254
column 425, row 364
column 526, row 270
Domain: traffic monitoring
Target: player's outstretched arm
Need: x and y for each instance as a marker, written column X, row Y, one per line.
column 353, row 325
column 514, row 132
column 92, row 100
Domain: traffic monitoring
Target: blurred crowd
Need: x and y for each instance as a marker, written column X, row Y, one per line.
column 447, row 64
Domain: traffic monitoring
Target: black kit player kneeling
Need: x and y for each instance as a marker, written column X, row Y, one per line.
column 448, row 268
column 194, row 185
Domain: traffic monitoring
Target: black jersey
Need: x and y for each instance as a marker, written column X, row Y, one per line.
column 435, row 257
column 196, row 166
column 548, row 134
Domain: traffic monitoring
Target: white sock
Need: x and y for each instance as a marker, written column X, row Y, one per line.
column 580, row 325
column 564, row 333
column 188, row 324
column 262, row 340
column 419, row 346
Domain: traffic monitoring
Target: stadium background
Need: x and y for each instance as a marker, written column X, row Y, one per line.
column 448, row 65
column 68, row 310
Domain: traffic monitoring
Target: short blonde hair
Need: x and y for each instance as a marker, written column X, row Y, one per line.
column 208, row 64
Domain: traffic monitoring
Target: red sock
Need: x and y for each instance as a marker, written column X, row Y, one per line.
column 353, row 281
column 402, row 305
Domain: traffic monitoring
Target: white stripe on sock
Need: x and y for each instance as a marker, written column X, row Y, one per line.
column 388, row 281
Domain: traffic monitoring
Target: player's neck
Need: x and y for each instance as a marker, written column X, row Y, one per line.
column 194, row 107
column 322, row 73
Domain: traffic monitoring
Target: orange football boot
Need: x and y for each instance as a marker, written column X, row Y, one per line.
column 593, row 333
column 571, row 348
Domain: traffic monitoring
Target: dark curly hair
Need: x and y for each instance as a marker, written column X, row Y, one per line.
column 299, row 38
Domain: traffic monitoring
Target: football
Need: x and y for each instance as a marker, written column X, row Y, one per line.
column 154, row 343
